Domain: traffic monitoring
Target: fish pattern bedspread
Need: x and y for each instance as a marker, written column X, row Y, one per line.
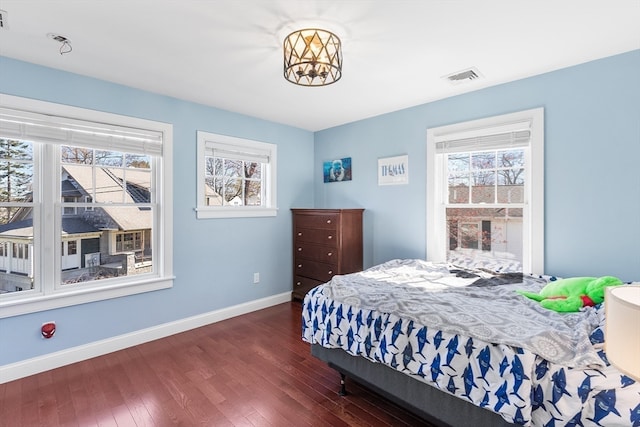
column 377, row 314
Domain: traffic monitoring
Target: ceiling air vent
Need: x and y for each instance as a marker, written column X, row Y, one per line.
column 463, row 76
column 3, row 20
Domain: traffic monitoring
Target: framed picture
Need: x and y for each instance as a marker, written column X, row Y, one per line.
column 337, row 170
column 393, row 170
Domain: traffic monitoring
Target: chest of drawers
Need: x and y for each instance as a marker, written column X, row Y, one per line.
column 326, row 242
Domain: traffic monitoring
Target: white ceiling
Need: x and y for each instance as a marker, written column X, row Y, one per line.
column 228, row 53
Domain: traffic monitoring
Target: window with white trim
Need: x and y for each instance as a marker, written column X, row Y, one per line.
column 236, row 177
column 78, row 180
column 485, row 200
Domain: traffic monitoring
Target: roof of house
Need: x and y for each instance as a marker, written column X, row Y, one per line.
column 69, row 190
column 110, row 188
column 24, row 228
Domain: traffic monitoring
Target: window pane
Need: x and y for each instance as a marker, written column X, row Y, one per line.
column 511, row 158
column 16, row 226
column 253, row 193
column 16, row 171
column 16, row 181
column 489, row 237
column 483, row 188
column 76, row 155
column 232, row 168
column 15, row 261
column 209, row 169
column 511, row 186
column 108, row 158
column 138, row 161
column 252, row 170
column 109, row 185
column 138, row 187
column 233, row 192
column 458, row 162
column 104, row 250
column 11, row 149
column 110, row 176
column 483, row 160
column 217, row 167
column 459, row 188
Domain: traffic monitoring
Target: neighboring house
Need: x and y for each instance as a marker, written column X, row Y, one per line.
column 96, row 241
column 497, row 230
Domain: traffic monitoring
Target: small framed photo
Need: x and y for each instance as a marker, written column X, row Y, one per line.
column 337, row 170
column 393, row 170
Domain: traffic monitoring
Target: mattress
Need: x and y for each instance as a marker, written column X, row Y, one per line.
column 470, row 334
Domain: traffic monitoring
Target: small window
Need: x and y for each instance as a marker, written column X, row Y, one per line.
column 88, row 199
column 127, row 242
column 69, row 210
column 236, row 177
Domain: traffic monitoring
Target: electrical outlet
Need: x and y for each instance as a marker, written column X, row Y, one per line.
column 256, row 277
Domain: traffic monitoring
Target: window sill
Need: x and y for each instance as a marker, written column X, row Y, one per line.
column 234, row 212
column 28, row 302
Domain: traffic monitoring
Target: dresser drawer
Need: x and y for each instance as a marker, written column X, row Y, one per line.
column 322, row 220
column 307, row 283
column 321, row 236
column 315, row 270
column 302, row 285
column 327, row 254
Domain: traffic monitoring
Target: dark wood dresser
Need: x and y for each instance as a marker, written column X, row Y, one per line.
column 326, row 242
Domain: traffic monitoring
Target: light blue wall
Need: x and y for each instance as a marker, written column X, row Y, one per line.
column 592, row 199
column 592, row 166
column 214, row 260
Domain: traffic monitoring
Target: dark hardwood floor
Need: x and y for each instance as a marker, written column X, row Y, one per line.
column 252, row 370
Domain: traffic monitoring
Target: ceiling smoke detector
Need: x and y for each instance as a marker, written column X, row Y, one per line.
column 463, row 76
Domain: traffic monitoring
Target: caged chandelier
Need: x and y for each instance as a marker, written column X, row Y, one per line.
column 312, row 57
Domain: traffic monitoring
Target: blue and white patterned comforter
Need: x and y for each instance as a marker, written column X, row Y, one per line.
column 420, row 326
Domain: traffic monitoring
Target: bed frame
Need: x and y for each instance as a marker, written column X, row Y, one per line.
column 435, row 406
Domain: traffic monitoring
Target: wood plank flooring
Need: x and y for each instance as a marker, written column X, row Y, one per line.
column 252, row 370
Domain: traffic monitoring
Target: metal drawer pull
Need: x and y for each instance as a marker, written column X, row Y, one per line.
column 328, row 221
column 330, row 272
column 298, row 283
column 329, row 237
column 330, row 253
column 299, row 249
column 299, row 233
column 299, row 265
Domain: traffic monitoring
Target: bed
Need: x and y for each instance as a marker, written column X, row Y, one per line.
column 459, row 346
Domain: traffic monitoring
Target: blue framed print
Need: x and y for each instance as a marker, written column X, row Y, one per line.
column 337, row 170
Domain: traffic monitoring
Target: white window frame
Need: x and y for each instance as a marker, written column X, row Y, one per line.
column 533, row 212
column 206, row 141
column 49, row 294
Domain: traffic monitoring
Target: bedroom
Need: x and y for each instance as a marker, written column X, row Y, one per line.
column 592, row 224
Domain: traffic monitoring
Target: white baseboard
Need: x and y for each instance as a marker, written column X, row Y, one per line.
column 24, row 368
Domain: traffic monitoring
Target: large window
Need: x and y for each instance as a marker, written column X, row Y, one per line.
column 93, row 186
column 485, row 193
column 236, row 177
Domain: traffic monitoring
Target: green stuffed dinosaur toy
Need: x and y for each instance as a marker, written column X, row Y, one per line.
column 570, row 295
